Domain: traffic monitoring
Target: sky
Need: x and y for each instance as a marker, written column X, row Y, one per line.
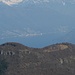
column 37, row 23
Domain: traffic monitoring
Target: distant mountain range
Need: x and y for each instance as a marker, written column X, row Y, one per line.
column 50, row 20
column 12, row 2
column 20, row 33
column 17, row 59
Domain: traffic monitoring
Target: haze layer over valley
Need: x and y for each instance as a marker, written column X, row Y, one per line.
column 37, row 23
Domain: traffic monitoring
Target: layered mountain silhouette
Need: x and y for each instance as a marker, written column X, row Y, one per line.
column 17, row 59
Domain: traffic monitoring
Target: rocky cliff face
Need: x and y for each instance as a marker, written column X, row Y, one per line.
column 57, row 59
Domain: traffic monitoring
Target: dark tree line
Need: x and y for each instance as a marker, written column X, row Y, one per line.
column 3, row 66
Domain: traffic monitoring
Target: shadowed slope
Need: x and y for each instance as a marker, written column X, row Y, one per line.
column 57, row 59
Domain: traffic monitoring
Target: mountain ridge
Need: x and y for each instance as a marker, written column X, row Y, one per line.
column 55, row 59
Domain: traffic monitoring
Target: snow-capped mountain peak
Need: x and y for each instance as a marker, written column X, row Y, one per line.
column 12, row 2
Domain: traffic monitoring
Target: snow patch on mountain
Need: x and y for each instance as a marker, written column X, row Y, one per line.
column 28, row 32
column 19, row 33
column 12, row 2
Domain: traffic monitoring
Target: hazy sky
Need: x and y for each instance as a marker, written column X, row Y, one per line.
column 41, row 21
